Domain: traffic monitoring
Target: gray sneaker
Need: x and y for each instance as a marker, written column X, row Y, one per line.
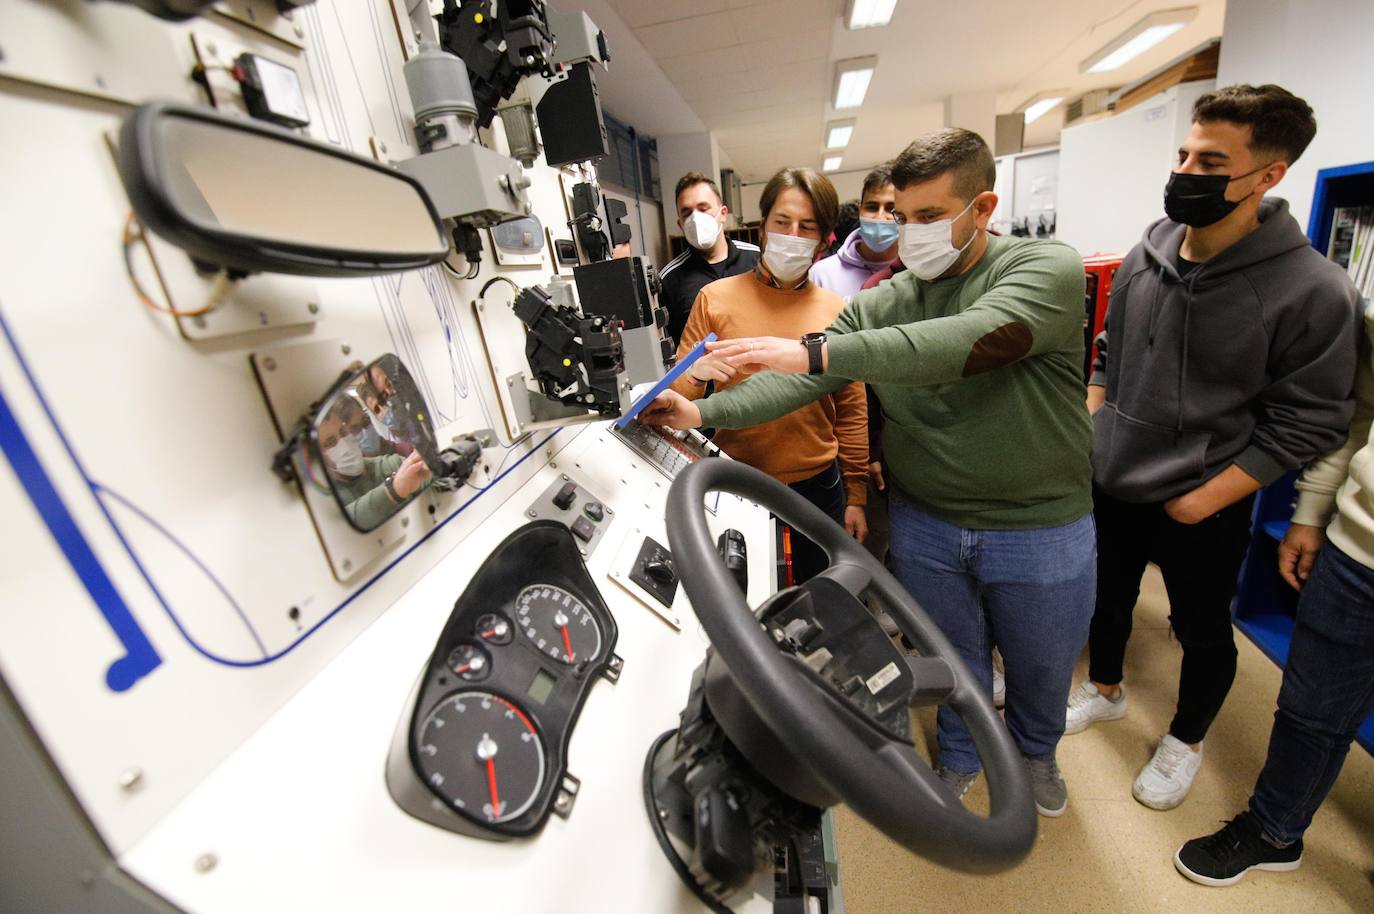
column 1047, row 786
column 957, row 781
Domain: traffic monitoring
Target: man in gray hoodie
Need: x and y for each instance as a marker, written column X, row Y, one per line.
column 1229, row 359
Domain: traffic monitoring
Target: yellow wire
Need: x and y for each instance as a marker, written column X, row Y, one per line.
column 133, row 233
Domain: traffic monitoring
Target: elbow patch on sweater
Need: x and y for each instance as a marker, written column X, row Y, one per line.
column 1002, row 346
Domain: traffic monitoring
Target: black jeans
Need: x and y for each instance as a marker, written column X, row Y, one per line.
column 1200, row 563
column 825, row 490
column 1328, row 691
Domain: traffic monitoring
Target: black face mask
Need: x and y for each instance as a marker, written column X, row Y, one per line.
column 1200, row 200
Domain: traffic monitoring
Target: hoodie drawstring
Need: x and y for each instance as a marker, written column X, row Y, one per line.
column 1183, row 355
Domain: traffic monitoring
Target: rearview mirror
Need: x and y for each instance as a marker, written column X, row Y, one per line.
column 244, row 195
column 374, row 439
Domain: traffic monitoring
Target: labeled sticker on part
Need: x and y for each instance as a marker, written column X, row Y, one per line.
column 883, row 678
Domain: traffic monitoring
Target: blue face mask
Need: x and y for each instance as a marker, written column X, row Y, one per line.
column 879, row 234
column 369, row 441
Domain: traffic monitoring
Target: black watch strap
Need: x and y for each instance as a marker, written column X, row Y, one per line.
column 813, row 343
column 390, row 484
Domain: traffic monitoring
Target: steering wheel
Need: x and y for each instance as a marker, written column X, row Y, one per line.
column 883, row 779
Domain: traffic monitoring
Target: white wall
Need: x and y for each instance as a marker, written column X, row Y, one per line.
column 848, row 186
column 1112, row 172
column 1319, row 50
column 678, row 154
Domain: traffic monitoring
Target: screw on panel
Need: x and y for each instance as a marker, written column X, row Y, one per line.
column 313, row 308
column 381, row 146
column 206, row 862
column 199, row 321
column 531, row 513
column 99, row 81
column 405, row 522
column 269, row 364
column 346, row 349
column 554, row 466
column 210, row 48
column 346, row 565
column 87, row 879
column 131, row 779
column 252, row 16
column 300, row 32
column 662, row 813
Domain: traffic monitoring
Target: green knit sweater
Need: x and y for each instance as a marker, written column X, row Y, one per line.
column 980, row 377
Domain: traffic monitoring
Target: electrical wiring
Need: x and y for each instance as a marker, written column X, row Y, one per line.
column 493, row 281
column 219, row 289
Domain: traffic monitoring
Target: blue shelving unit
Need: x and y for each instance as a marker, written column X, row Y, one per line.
column 1265, row 606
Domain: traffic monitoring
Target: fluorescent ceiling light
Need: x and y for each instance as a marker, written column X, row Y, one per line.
column 851, row 81
column 1138, row 39
column 831, row 163
column 868, row 14
column 838, row 133
column 1038, row 108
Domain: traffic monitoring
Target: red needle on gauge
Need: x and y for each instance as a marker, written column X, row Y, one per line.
column 462, row 669
column 491, row 785
column 567, row 642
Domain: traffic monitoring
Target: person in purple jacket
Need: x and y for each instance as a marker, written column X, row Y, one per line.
column 869, row 248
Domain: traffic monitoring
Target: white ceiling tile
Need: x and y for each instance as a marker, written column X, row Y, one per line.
column 639, row 13
column 716, row 60
column 688, row 36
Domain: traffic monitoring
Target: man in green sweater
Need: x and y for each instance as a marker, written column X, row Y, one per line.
column 976, row 354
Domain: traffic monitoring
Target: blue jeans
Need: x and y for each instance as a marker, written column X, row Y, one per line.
column 1029, row 593
column 1327, row 692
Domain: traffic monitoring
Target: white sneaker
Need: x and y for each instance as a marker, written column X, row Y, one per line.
column 1087, row 705
column 1164, row 782
column 999, row 689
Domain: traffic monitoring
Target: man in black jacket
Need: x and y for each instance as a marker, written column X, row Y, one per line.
column 1229, row 359
column 709, row 256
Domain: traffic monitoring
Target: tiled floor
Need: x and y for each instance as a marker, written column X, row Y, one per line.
column 1108, row 853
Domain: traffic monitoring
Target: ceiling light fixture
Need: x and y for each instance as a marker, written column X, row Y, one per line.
column 838, row 133
column 1138, row 39
column 1035, row 107
column 851, row 81
column 831, row 163
column 868, row 14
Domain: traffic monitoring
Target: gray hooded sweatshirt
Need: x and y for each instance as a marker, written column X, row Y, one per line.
column 1248, row 360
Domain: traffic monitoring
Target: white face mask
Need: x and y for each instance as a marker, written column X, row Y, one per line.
column 701, row 230
column 346, row 457
column 788, row 257
column 928, row 250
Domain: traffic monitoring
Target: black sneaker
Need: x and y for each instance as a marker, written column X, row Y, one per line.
column 1225, row 857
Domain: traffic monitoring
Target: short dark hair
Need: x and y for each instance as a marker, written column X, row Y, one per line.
column 952, row 149
column 824, row 199
column 692, row 179
column 877, row 179
column 1281, row 124
column 845, row 223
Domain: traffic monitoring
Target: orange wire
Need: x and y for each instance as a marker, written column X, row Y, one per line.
column 130, row 237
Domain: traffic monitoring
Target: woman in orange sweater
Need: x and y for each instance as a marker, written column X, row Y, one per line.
column 820, row 450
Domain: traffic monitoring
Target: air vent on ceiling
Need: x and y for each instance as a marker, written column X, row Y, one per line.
column 1087, row 105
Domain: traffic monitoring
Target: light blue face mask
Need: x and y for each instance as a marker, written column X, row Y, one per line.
column 369, row 441
column 879, row 234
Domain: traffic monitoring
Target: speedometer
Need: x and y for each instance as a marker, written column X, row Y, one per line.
column 558, row 624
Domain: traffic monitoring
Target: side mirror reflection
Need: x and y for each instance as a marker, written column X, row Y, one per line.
column 374, row 439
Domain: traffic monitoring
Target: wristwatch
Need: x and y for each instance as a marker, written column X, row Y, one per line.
column 813, row 343
column 390, row 484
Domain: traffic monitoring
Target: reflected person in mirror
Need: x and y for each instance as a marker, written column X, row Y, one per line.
column 370, row 489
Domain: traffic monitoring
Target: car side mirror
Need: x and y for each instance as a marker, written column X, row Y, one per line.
column 246, row 196
column 372, row 440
